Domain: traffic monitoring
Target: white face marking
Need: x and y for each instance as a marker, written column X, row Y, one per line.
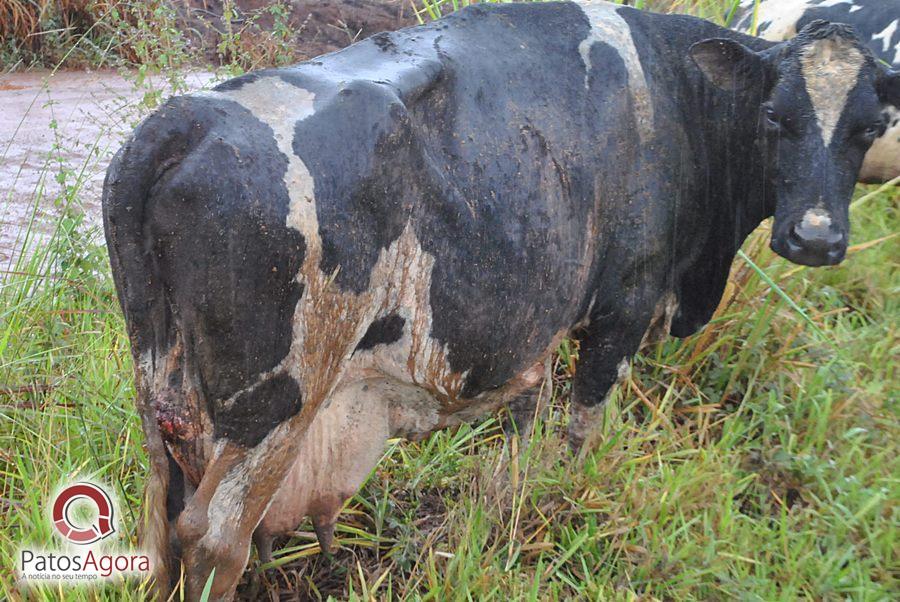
column 816, row 218
column 830, row 69
column 882, row 162
column 609, row 27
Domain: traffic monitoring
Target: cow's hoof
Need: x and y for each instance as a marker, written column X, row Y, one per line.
column 576, row 443
column 255, row 588
column 324, row 529
column 584, row 428
column 263, row 543
column 228, row 562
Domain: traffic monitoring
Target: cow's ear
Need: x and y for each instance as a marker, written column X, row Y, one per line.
column 888, row 86
column 728, row 64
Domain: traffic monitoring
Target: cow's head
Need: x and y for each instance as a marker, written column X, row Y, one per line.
column 824, row 96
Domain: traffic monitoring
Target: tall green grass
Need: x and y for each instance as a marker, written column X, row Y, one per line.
column 756, row 460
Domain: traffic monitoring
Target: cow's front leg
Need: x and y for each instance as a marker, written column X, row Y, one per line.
column 601, row 366
column 604, row 359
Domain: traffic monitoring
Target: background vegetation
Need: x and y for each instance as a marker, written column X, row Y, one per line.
column 158, row 34
column 756, row 460
column 240, row 34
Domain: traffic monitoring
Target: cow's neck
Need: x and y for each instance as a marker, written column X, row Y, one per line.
column 729, row 185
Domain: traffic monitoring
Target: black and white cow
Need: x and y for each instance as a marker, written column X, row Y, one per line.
column 877, row 23
column 394, row 238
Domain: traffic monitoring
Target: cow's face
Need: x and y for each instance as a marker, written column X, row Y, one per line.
column 824, row 106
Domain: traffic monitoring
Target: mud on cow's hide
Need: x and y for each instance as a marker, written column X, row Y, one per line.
column 386, row 241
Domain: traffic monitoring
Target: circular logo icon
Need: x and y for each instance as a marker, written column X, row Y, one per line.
column 74, row 533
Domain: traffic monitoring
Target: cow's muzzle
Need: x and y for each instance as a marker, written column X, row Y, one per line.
column 813, row 241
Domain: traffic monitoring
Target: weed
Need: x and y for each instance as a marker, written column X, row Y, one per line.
column 152, row 36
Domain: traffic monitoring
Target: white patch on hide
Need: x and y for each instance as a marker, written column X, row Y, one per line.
column 281, row 106
column 886, row 35
column 609, row 27
column 777, row 19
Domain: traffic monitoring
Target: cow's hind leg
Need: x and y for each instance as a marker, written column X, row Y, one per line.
column 529, row 405
column 217, row 524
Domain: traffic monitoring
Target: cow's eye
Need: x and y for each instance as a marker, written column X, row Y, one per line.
column 873, row 130
column 772, row 119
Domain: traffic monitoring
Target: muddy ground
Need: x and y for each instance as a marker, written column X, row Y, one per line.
column 72, row 122
column 58, row 131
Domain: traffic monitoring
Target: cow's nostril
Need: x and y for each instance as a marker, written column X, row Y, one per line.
column 819, row 239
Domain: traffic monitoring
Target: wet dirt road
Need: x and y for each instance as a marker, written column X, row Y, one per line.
column 56, row 131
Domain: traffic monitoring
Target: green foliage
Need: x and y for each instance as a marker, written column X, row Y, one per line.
column 152, row 36
column 435, row 9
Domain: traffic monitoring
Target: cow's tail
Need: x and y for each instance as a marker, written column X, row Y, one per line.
column 155, row 341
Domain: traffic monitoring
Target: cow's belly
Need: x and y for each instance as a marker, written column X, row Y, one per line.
column 349, row 433
column 882, row 162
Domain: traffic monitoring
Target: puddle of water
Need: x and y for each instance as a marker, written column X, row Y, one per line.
column 72, row 122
